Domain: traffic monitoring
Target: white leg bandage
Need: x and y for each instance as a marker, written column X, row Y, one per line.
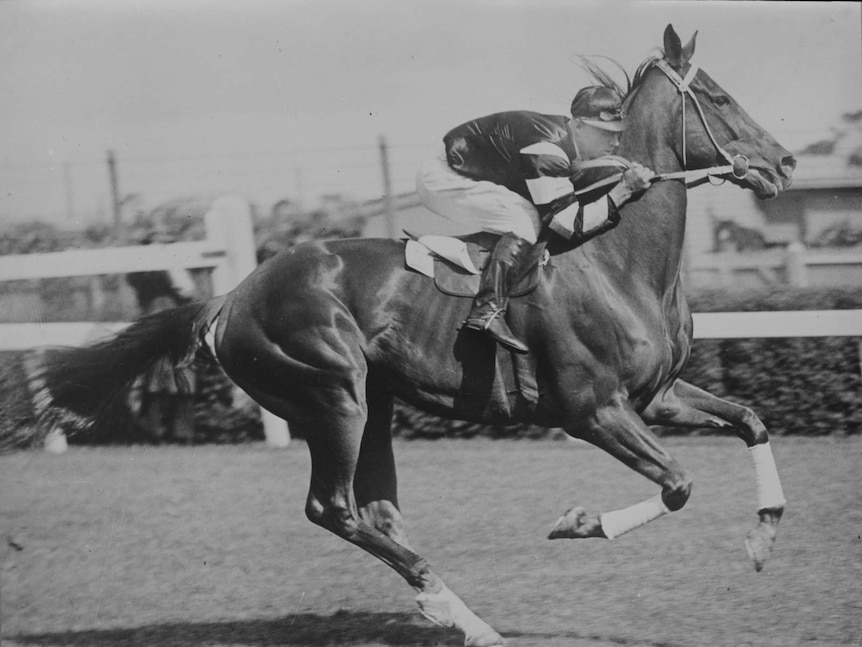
column 446, row 609
column 769, row 492
column 619, row 522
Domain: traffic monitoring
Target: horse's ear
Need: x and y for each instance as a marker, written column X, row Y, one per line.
column 688, row 50
column 674, row 52
column 672, row 46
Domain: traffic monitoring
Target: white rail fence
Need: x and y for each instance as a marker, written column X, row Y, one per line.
column 707, row 325
column 229, row 250
column 786, row 323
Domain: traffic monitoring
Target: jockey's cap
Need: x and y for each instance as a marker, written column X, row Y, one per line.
column 599, row 106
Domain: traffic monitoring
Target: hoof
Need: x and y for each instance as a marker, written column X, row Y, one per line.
column 761, row 538
column 575, row 524
column 759, row 547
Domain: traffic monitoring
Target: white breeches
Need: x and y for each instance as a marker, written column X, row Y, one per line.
column 477, row 205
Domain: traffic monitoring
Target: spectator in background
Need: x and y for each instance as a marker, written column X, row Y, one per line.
column 163, row 399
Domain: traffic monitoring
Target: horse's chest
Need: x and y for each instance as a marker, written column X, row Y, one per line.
column 643, row 347
column 656, row 353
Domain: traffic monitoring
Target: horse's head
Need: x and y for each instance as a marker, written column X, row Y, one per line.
column 706, row 127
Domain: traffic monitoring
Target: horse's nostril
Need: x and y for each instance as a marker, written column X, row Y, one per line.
column 788, row 165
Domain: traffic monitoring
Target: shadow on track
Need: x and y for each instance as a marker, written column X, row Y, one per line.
column 343, row 627
column 340, row 628
column 575, row 639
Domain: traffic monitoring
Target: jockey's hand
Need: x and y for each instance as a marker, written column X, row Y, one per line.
column 638, row 178
column 635, row 180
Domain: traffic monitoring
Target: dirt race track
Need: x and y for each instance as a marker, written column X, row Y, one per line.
column 210, row 546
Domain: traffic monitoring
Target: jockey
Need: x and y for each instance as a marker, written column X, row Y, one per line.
column 515, row 173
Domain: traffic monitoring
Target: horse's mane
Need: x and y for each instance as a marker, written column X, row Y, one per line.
column 643, row 68
column 601, row 76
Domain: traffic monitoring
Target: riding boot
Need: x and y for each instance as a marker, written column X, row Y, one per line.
column 489, row 307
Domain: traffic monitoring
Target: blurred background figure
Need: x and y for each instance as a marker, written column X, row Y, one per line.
column 162, row 401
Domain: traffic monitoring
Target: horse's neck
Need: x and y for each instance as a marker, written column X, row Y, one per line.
column 647, row 245
column 654, row 225
column 657, row 225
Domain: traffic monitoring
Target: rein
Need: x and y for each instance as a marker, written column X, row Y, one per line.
column 738, row 164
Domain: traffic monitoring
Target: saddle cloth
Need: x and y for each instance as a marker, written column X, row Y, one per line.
column 456, row 263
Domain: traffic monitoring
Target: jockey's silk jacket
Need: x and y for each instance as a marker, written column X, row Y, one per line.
column 532, row 154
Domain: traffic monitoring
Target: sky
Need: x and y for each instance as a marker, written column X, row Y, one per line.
column 277, row 99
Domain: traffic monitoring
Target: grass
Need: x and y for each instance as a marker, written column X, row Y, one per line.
column 210, row 546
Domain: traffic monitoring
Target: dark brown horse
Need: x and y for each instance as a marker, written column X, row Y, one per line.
column 325, row 335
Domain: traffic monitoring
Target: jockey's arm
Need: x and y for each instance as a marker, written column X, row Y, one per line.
column 553, row 192
column 579, row 207
column 580, row 222
column 597, row 216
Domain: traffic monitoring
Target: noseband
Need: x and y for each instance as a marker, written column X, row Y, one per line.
column 738, row 164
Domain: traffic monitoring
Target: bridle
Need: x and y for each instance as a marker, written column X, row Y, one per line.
column 737, row 164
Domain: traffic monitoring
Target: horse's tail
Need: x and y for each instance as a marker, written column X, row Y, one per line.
column 82, row 387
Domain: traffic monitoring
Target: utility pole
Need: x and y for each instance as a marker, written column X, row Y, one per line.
column 388, row 200
column 115, row 191
column 70, row 203
column 300, row 188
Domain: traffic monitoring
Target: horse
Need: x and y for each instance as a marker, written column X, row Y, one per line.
column 328, row 333
column 730, row 235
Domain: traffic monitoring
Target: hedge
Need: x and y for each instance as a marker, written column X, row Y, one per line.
column 797, row 386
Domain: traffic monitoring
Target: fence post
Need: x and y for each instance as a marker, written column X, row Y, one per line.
column 55, row 441
column 223, row 224
column 229, row 223
column 725, row 271
column 794, row 262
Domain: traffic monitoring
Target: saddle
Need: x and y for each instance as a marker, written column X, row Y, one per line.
column 456, row 262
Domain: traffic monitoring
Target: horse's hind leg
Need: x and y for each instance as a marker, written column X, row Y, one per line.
column 618, row 430
column 315, row 378
column 352, row 461
column 375, row 485
column 376, row 492
column 685, row 405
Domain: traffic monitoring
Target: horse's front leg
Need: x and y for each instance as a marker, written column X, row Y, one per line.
column 685, row 405
column 618, row 430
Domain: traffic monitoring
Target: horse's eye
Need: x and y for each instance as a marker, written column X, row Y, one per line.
column 721, row 101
